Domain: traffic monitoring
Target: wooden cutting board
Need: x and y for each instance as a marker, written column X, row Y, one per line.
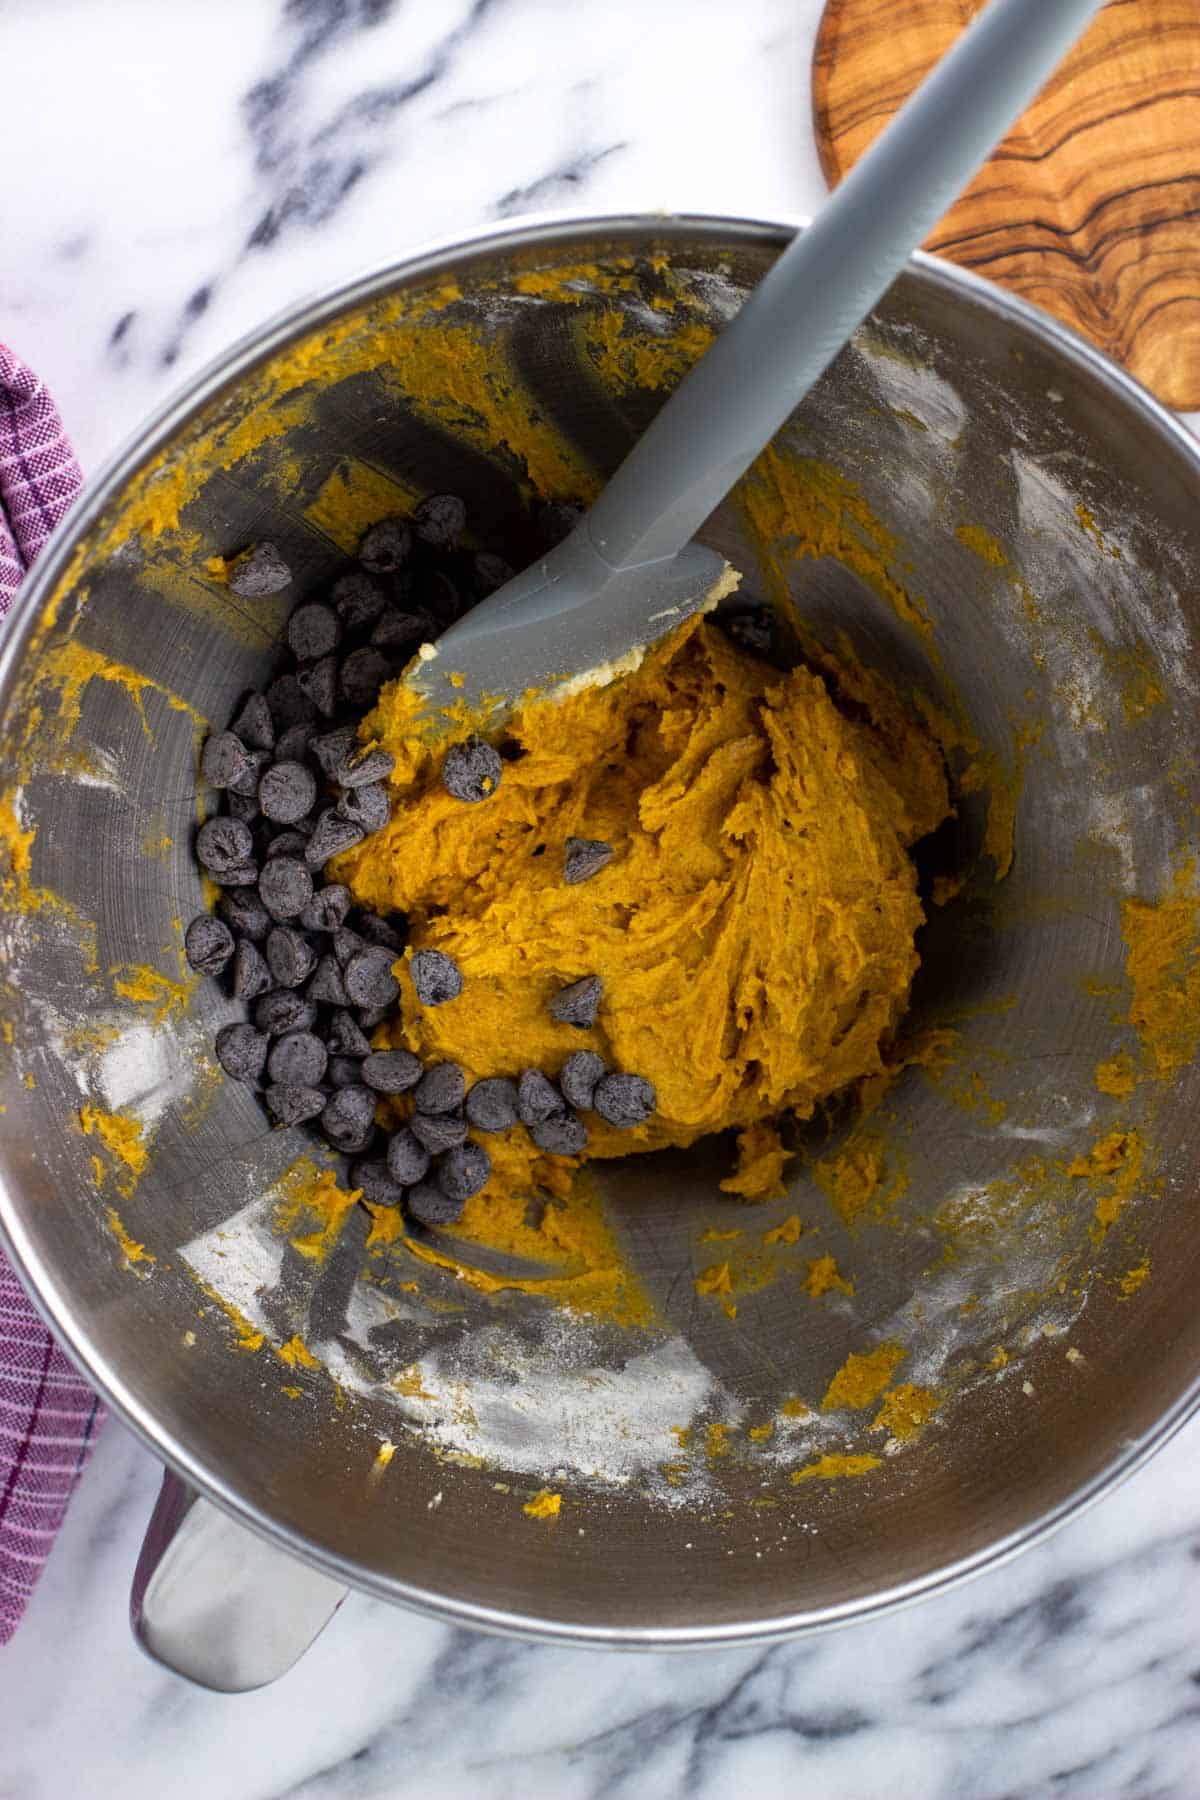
column 1091, row 206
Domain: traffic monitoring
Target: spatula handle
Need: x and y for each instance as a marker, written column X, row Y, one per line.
column 826, row 282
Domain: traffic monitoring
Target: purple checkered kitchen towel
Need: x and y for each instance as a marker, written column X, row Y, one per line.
column 48, row 1415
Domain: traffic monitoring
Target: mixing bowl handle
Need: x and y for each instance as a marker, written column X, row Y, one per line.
column 217, row 1603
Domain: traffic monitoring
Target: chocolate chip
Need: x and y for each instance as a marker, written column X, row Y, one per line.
column 386, row 546
column 427, row 627
column 294, row 1105
column 332, row 748
column 492, row 1104
column 259, row 571
column 391, row 1071
column 345, row 1038
column 286, row 792
column 288, row 843
column 349, row 1118
column 290, row 957
column 380, row 931
column 427, row 1204
column 562, row 1134
column 578, row 1004
column 251, row 976
column 327, row 984
column 583, row 858
column 471, row 771
column 297, row 1059
column 440, row 520
column 556, row 520
column 369, row 979
column 624, row 1100
column 344, row 1071
column 363, row 764
column 376, row 1183
column 208, row 944
column 327, row 909
column 289, row 704
column 371, row 1016
column 363, row 674
column 264, row 837
column 578, row 1077
column 254, row 724
column 367, row 806
column 436, row 977
column 752, row 631
column 285, row 887
column 223, row 757
column 346, row 943
column 242, row 806
column 537, row 1098
column 395, row 628
column 246, row 781
column 242, row 875
column 441, row 1089
column 241, row 1051
column 313, row 631
column 224, row 844
column 319, row 680
column 488, row 573
column 462, row 1172
column 246, row 914
column 407, row 1160
column 283, row 1009
column 294, row 744
column 331, row 835
column 357, row 600
column 438, row 1131
column 442, row 598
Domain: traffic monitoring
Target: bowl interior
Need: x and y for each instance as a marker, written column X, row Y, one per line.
column 980, row 510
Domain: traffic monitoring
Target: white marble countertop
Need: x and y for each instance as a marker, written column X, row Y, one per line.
column 180, row 173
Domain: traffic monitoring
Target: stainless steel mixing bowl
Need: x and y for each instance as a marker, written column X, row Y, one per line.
column 992, row 512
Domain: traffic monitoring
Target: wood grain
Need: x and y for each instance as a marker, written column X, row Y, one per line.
column 1091, row 206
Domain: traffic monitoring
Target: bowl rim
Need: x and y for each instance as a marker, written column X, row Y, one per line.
column 46, row 1291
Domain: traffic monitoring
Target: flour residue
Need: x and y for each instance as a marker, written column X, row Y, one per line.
column 238, row 1260
column 148, row 1068
column 560, row 1408
column 911, row 386
column 1113, row 818
column 551, row 1399
column 1101, row 587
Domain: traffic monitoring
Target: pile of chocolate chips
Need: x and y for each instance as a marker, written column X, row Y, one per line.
column 315, row 972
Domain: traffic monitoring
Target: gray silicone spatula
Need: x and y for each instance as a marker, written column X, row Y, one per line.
column 630, row 570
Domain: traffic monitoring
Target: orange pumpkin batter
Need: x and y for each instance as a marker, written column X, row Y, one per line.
column 753, row 931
